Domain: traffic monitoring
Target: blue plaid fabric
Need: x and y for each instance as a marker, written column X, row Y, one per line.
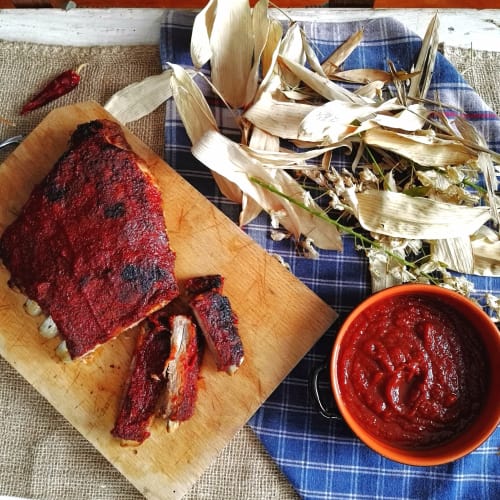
column 322, row 458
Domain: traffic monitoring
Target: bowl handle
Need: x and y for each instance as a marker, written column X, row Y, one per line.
column 330, row 413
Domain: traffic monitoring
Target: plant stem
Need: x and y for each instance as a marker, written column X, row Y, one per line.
column 377, row 167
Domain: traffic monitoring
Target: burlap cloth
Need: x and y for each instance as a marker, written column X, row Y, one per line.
column 41, row 455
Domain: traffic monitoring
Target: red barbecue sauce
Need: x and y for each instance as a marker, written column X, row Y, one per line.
column 412, row 371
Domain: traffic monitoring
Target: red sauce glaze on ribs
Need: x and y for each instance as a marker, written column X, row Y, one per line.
column 200, row 284
column 90, row 245
column 145, row 384
column 219, row 324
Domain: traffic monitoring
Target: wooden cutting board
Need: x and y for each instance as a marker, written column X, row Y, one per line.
column 280, row 319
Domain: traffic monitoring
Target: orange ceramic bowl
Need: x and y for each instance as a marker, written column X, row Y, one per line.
column 453, row 447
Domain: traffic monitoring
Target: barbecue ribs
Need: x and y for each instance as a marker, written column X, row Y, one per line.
column 145, row 384
column 219, row 325
column 90, row 245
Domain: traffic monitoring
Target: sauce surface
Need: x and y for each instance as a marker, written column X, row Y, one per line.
column 412, row 371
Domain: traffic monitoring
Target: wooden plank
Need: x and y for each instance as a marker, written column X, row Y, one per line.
column 468, row 28
column 280, row 320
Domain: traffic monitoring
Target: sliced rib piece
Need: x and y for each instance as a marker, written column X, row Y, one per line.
column 181, row 371
column 200, row 284
column 145, row 384
column 219, row 325
column 90, row 246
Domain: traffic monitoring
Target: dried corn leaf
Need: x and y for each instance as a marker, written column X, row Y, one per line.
column 232, row 46
column 426, row 60
column 323, row 86
column 486, row 257
column 335, row 60
column 455, row 253
column 485, row 164
column 228, row 159
column 273, row 41
column 292, row 49
column 141, row 98
column 402, row 216
column 285, row 159
column 411, row 119
column 278, row 118
column 370, row 90
column 191, row 104
column 197, row 118
column 201, row 51
column 362, row 76
column 261, row 140
column 422, row 149
column 333, row 121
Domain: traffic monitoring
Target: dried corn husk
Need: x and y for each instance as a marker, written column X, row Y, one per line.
column 402, row 216
column 311, row 56
column 456, row 253
column 273, row 41
column 191, row 104
column 410, row 119
column 485, row 164
column 486, row 257
column 426, row 59
column 339, row 55
column 261, row 26
column 320, row 84
column 140, row 98
column 370, row 90
column 232, row 46
column 332, row 122
column 278, row 118
column 362, row 76
column 425, row 150
column 474, row 255
column 228, row 159
column 197, row 118
column 260, row 140
column 201, row 50
column 292, row 49
column 285, row 159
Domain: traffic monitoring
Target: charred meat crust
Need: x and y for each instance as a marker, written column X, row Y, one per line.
column 219, row 325
column 200, row 284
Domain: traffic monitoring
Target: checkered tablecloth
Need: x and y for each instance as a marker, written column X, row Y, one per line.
column 322, row 458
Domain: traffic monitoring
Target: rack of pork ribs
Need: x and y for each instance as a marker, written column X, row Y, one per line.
column 102, row 263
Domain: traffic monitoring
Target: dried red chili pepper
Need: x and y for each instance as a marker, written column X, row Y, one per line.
column 62, row 84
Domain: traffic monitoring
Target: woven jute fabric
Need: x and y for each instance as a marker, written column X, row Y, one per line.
column 480, row 69
column 41, row 455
